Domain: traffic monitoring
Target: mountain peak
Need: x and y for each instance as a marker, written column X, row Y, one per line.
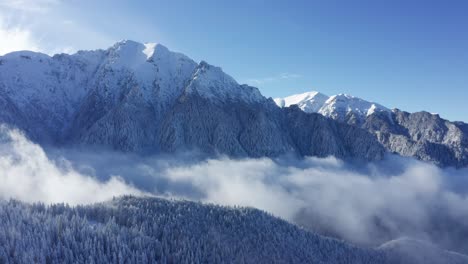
column 130, row 48
column 310, row 102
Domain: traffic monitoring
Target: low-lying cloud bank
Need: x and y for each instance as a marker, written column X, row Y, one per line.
column 366, row 204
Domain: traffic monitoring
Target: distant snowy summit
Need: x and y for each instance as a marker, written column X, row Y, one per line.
column 339, row 107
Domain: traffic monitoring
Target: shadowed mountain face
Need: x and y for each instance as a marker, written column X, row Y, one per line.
column 422, row 135
column 145, row 98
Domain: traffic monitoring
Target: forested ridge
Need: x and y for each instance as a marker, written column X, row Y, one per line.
column 152, row 230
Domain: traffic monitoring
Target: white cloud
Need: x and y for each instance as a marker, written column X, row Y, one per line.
column 26, row 173
column 32, row 25
column 16, row 38
column 19, row 37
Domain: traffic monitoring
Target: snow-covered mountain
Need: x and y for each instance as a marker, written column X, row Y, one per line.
column 143, row 97
column 340, row 107
column 50, row 92
column 146, row 98
column 151, row 230
column 422, row 135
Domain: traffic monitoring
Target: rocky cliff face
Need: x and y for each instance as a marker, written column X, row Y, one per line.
column 145, row 98
column 422, row 135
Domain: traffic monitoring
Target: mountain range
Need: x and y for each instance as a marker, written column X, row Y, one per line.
column 145, row 98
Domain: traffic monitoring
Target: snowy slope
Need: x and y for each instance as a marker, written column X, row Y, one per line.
column 48, row 95
column 309, row 102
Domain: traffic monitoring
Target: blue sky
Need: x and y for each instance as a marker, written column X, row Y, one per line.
column 407, row 54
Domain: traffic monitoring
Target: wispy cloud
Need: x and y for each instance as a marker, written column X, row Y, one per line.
column 29, row 5
column 281, row 76
column 17, row 18
column 19, row 38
